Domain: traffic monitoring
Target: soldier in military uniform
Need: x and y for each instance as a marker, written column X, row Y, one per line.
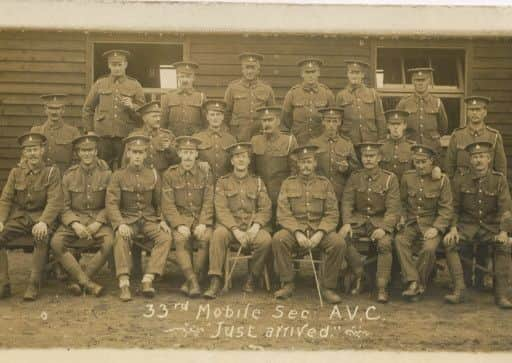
column 243, row 212
column 427, row 120
column 457, row 158
column 308, row 213
column 133, row 207
column 162, row 152
column 482, row 204
column 187, row 206
column 30, row 204
column 363, row 113
column 59, row 135
column 370, row 208
column 84, row 219
column 215, row 140
column 109, row 109
column 182, row 109
column 244, row 96
column 426, row 215
column 272, row 151
column 396, row 148
column 336, row 156
column 301, row 103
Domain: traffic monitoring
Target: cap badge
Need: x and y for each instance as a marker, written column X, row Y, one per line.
column 474, row 102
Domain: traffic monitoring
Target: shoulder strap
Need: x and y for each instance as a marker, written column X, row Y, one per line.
column 50, row 173
column 155, row 174
column 388, row 181
column 289, row 143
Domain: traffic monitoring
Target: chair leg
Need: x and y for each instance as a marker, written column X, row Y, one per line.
column 266, row 278
column 226, row 271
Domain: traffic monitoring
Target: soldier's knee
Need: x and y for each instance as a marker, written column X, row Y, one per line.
column 57, row 246
column 401, row 241
column 220, row 235
column 430, row 249
column 280, row 238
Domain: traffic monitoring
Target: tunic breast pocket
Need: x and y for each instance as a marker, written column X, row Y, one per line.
column 468, row 198
column 320, row 104
column 20, row 190
column 180, row 195
column 368, row 106
column 38, row 193
column 261, row 98
column 252, row 198
column 297, row 204
column 97, row 200
column 105, row 102
column 240, row 103
column 490, row 200
column 233, row 198
column 318, row 200
column 431, row 198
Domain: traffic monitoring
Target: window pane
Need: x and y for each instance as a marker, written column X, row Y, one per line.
column 452, row 106
column 144, row 63
column 390, row 63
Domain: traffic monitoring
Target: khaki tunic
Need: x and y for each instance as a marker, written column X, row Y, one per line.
column 182, row 111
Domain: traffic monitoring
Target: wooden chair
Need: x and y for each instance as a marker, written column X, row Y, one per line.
column 231, row 258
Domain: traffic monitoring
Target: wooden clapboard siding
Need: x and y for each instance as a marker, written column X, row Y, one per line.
column 219, row 64
column 492, row 76
column 32, row 64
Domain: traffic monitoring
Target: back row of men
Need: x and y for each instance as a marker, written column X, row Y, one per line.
column 306, row 212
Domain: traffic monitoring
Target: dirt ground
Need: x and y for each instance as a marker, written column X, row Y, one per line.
column 248, row 322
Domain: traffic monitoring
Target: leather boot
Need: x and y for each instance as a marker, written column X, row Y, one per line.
column 147, row 289
column 331, row 296
column 31, row 292
column 249, row 284
column 412, row 290
column 357, row 286
column 213, row 290
column 456, row 297
column 184, row 288
column 382, row 294
column 194, row 288
column 5, row 291
column 93, row 288
column 285, row 291
column 74, row 289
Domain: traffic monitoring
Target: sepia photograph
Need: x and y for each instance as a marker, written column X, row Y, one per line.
column 188, row 176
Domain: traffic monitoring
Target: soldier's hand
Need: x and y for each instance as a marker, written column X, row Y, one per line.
column 40, row 231
column 164, row 227
column 81, row 230
column 451, row 238
column 240, row 236
column 127, row 102
column 1, row 227
column 93, row 228
column 400, row 224
column 199, row 231
column 502, row 237
column 204, row 166
column 184, row 231
column 253, row 231
column 125, row 231
column 302, row 240
column 316, row 238
column 431, row 233
column 377, row 234
column 345, row 231
column 342, row 166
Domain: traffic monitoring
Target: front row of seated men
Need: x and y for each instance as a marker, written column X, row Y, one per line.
column 112, row 211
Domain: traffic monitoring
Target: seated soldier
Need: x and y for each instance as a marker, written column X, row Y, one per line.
column 307, row 210
column 482, row 204
column 29, row 206
column 133, row 207
column 427, row 213
column 84, row 218
column 243, row 212
column 187, row 205
column 370, row 208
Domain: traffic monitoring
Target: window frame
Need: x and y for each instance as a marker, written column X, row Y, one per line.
column 144, row 38
column 400, row 90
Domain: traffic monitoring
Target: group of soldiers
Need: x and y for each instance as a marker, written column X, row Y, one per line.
column 322, row 172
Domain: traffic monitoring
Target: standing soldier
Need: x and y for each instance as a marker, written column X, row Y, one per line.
column 457, row 157
column 244, row 96
column 84, row 218
column 215, row 140
column 109, row 108
column 59, row 135
column 243, row 212
column 370, row 208
column 308, row 213
column 161, row 152
column 427, row 213
column 182, row 109
column 30, row 204
column 133, row 207
column 271, row 151
column 301, row 103
column 396, row 148
column 336, row 155
column 187, row 206
column 482, row 204
column 427, row 120
column 363, row 113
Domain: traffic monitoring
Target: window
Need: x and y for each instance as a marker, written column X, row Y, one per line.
column 150, row 64
column 394, row 82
